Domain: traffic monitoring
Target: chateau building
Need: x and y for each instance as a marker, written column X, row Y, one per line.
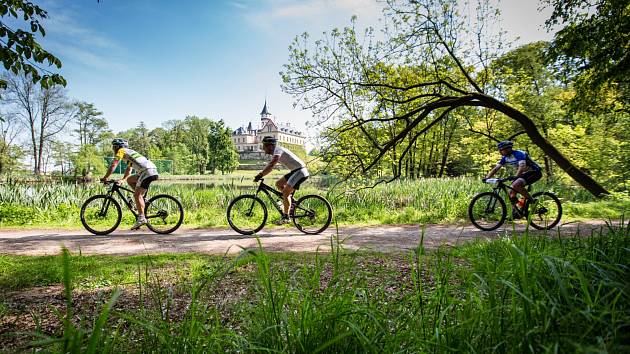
column 248, row 140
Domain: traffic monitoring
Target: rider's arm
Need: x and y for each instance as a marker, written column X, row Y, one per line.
column 110, row 170
column 521, row 168
column 494, row 170
column 126, row 175
column 270, row 165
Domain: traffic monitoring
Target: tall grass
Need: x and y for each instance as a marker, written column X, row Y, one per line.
column 518, row 294
column 404, row 201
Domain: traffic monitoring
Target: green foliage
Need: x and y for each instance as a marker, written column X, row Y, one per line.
column 401, row 202
column 224, row 156
column 588, row 59
column 92, row 128
column 88, row 162
column 19, row 50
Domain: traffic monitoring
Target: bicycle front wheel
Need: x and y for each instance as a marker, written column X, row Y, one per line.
column 100, row 214
column 164, row 214
column 545, row 212
column 247, row 214
column 487, row 211
column 312, row 214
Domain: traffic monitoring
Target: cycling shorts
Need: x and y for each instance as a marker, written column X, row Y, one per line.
column 296, row 177
column 531, row 176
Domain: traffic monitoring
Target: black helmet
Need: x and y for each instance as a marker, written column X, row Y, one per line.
column 120, row 142
column 269, row 140
column 505, row 144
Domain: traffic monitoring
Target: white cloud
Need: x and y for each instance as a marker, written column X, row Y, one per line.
column 66, row 37
column 318, row 14
column 239, row 5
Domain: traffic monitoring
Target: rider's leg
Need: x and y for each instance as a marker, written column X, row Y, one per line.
column 519, row 186
column 138, row 196
column 280, row 183
column 287, row 191
column 132, row 181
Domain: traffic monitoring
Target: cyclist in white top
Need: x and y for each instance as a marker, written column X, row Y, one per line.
column 145, row 173
column 288, row 183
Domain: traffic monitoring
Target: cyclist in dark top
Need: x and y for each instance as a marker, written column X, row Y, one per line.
column 527, row 171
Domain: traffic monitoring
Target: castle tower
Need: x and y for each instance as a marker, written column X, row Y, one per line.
column 265, row 116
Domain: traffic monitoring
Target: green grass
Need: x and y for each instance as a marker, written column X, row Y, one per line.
column 205, row 202
column 521, row 293
column 19, row 272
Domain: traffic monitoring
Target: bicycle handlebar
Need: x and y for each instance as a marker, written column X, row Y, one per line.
column 498, row 180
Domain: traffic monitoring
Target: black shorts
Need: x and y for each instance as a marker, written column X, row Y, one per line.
column 146, row 182
column 531, row 176
column 296, row 177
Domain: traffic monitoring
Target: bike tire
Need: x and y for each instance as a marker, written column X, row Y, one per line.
column 491, row 200
column 166, row 207
column 90, row 220
column 553, row 208
column 247, row 214
column 313, row 208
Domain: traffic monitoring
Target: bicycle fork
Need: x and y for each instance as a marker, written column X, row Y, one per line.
column 492, row 203
column 105, row 206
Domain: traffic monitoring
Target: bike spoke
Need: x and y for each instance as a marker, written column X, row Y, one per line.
column 100, row 215
column 545, row 212
column 164, row 214
column 246, row 214
column 487, row 211
column 312, row 214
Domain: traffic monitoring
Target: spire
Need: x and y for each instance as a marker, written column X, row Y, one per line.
column 265, row 112
column 249, row 127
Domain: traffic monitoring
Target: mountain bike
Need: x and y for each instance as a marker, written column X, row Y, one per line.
column 487, row 210
column 247, row 213
column 101, row 214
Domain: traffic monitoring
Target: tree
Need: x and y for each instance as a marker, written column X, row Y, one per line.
column 88, row 161
column 340, row 79
column 10, row 152
column 91, row 127
column 594, row 44
column 44, row 112
column 19, row 51
column 138, row 139
column 195, row 137
column 224, row 156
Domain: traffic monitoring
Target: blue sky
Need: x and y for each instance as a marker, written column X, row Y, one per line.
column 156, row 60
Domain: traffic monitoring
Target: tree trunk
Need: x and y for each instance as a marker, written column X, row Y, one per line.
column 530, row 128
column 548, row 170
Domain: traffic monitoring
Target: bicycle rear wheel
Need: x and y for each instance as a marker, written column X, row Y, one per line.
column 487, row 211
column 100, row 214
column 164, row 214
column 545, row 212
column 312, row 214
column 247, row 214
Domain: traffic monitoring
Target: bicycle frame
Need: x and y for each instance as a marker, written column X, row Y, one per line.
column 115, row 188
column 502, row 186
column 269, row 191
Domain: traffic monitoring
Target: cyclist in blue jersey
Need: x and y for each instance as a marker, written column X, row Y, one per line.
column 527, row 171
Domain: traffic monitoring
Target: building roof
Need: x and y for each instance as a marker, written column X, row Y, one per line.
column 264, row 110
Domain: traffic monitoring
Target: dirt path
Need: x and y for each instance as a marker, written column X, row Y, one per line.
column 384, row 238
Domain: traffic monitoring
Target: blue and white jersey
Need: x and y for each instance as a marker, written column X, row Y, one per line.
column 519, row 158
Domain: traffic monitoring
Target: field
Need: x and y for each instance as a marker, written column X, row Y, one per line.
column 205, row 200
column 522, row 293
